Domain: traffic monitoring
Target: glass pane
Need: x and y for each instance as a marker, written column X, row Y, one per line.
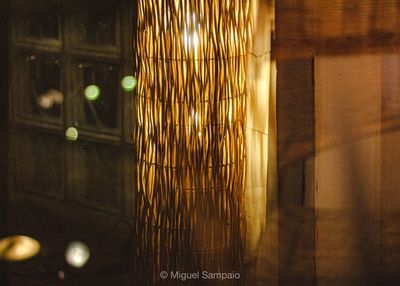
column 128, row 85
column 96, row 176
column 130, row 119
column 40, row 164
column 39, row 19
column 42, row 95
column 95, row 23
column 98, row 96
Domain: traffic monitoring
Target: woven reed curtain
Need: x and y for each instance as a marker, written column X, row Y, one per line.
column 190, row 136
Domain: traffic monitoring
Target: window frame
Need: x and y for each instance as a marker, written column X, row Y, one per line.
column 69, row 54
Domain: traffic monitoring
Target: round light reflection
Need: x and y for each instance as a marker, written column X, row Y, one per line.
column 18, row 248
column 71, row 134
column 45, row 102
column 128, row 83
column 92, row 92
column 77, row 254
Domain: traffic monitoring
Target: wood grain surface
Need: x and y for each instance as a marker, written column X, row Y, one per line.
column 310, row 27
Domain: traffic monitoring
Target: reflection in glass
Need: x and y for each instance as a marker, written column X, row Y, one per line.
column 92, row 92
column 45, row 26
column 71, row 134
column 39, row 19
column 49, row 99
column 40, row 164
column 41, row 94
column 96, row 176
column 98, row 98
column 95, row 23
column 128, row 83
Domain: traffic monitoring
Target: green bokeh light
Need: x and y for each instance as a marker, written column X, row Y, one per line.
column 92, row 92
column 71, row 134
column 128, row 83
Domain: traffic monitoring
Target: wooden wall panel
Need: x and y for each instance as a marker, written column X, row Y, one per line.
column 336, row 26
column 348, row 101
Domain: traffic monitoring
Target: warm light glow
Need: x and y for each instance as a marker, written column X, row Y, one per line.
column 77, row 254
column 45, row 102
column 18, row 248
column 92, row 92
column 191, row 40
column 71, row 134
column 190, row 107
column 48, row 99
column 191, row 34
column 196, row 119
column 128, row 83
column 195, row 40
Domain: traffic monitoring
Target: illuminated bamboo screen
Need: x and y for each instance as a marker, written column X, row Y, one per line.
column 191, row 59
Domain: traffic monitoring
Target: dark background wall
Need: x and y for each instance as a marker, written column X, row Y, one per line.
column 4, row 79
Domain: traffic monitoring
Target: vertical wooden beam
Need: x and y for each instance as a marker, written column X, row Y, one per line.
column 389, row 205
column 295, row 132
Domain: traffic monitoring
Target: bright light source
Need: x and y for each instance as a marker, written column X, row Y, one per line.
column 18, row 247
column 77, row 254
column 128, row 83
column 191, row 40
column 71, row 134
column 191, row 36
column 92, row 92
column 195, row 40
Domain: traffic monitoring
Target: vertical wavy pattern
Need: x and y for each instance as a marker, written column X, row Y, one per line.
column 190, row 135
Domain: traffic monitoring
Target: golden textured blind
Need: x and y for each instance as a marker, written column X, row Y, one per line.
column 190, row 135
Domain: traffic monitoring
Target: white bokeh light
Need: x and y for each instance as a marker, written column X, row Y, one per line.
column 77, row 254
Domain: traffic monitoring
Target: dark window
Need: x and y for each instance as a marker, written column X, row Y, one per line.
column 38, row 20
column 95, row 25
column 96, row 176
column 98, row 100
column 41, row 94
column 68, row 60
column 40, row 163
